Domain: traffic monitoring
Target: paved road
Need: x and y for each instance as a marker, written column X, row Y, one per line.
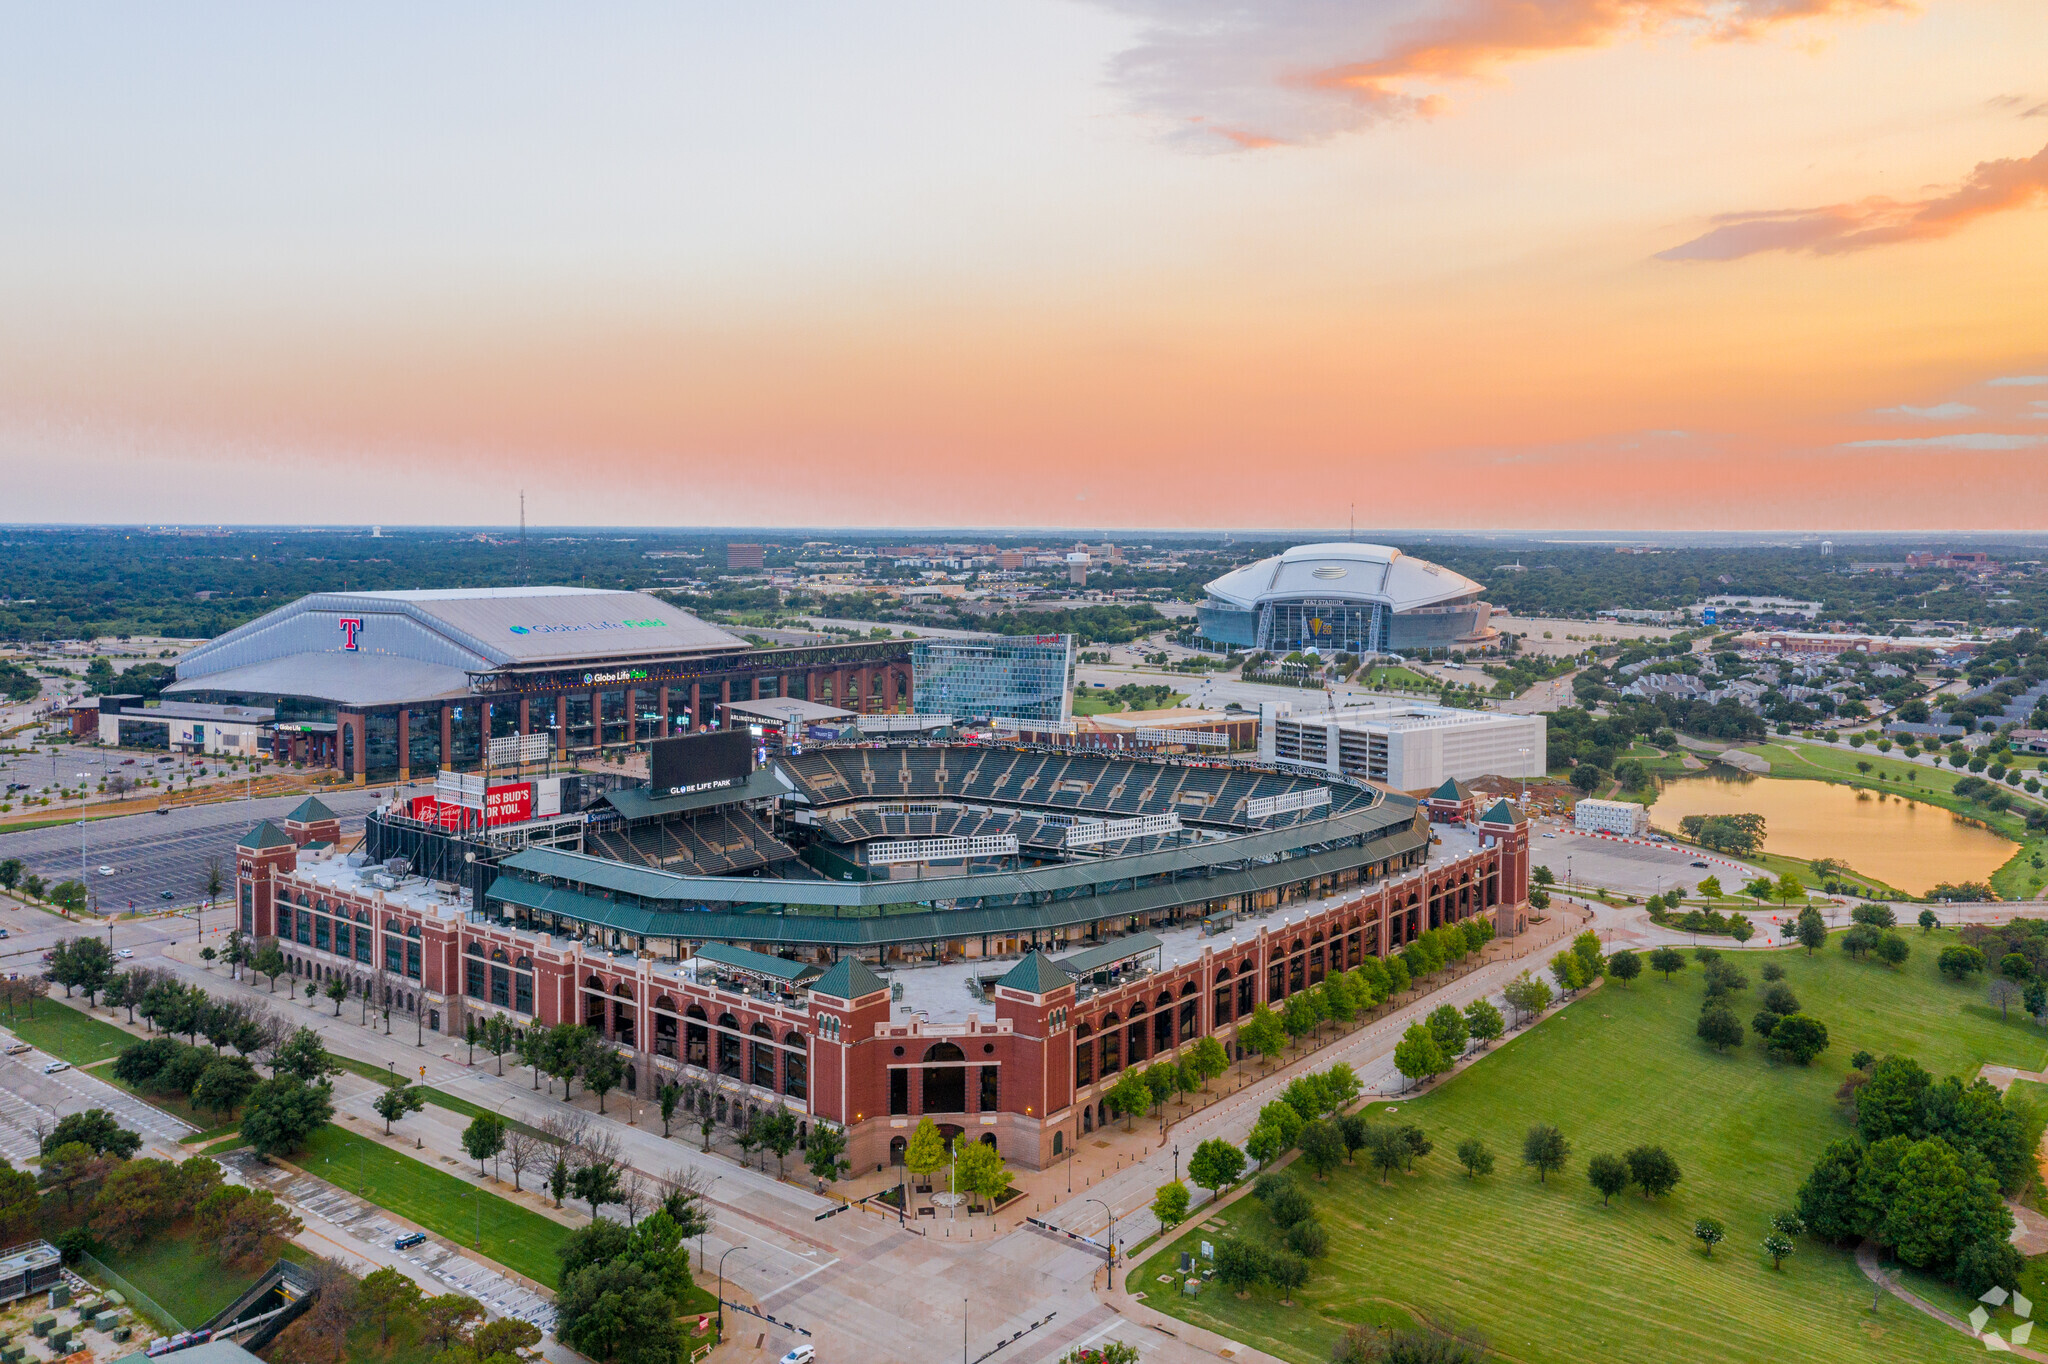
column 30, row 1100
column 152, row 853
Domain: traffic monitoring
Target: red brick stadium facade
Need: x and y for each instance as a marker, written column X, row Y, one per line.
column 1030, row 1078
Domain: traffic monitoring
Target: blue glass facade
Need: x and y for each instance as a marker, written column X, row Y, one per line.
column 1029, row 677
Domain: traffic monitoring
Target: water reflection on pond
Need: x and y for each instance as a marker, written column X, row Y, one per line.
column 1900, row 842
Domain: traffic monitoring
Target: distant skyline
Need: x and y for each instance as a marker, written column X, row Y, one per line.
column 1764, row 265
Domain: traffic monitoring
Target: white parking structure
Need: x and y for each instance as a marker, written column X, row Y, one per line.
column 1622, row 817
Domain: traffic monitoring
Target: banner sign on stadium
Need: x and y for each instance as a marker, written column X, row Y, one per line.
column 509, row 804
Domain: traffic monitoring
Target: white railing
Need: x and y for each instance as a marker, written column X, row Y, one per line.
column 511, row 749
column 893, row 851
column 1280, row 805
column 1005, row 724
column 1200, row 738
column 1088, row 832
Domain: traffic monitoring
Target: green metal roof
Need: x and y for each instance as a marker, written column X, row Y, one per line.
column 309, row 811
column 1387, row 820
column 849, row 979
column 873, row 929
column 1503, row 813
column 759, row 963
column 1452, row 789
column 639, row 802
column 1102, row 956
column 1037, row 974
column 264, row 835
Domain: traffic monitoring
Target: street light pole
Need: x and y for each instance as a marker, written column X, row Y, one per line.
column 721, row 1289
column 1112, row 1240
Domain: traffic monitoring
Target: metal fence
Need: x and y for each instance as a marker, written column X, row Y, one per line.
column 138, row 1299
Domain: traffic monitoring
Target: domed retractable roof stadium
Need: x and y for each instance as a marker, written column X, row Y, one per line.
column 369, row 648
column 1344, row 597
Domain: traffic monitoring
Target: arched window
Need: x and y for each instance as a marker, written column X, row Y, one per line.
column 412, row 951
column 728, row 1046
column 696, row 1037
column 796, row 1067
column 664, row 1026
column 522, row 985
column 1084, row 1053
column 763, row 1070
column 945, row 1079
column 473, row 971
column 593, row 1005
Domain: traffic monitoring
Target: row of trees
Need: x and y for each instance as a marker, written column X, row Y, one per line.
column 1786, row 1032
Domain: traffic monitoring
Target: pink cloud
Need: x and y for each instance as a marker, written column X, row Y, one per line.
column 1993, row 187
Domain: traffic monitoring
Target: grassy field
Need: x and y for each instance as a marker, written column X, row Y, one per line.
column 1544, row 1270
column 70, row 1034
column 2017, row 879
column 1404, row 679
column 444, row 1203
column 185, row 1281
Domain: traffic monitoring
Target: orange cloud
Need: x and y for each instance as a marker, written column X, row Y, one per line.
column 1993, row 187
column 1262, row 75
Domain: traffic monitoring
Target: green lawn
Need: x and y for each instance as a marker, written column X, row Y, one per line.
column 1544, row 1270
column 1401, row 678
column 442, row 1202
column 185, row 1281
column 70, row 1034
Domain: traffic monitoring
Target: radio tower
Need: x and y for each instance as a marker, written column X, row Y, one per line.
column 522, row 537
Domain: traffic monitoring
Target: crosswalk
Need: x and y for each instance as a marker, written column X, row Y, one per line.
column 369, row 1224
column 74, row 1091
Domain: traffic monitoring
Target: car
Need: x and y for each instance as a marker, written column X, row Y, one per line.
column 17, row 1048
column 163, row 895
column 106, row 871
column 161, row 761
column 802, row 1354
column 1550, row 835
column 409, row 1240
column 125, row 952
column 51, row 1068
column 1699, row 864
column 127, row 762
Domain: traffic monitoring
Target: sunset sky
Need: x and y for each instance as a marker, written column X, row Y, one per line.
column 1633, row 264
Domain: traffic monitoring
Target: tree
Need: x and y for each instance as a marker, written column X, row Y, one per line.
column 386, row 1295
column 269, row 961
column 484, row 1138
column 396, row 1101
column 242, row 1225
column 1287, row 1272
column 283, row 1112
column 1322, row 1147
column 2004, row 994
column 1777, row 1245
column 1742, row 930
column 1959, row 963
column 603, row 1068
column 1128, row 1097
column 558, row 1178
column 1799, row 1038
column 925, row 1151
column 1570, row 972
column 778, row 1134
column 444, row 1320
column 1417, row 1055
column 2014, row 966
column 336, row 990
column 1475, row 1157
column 1205, row 1061
column 1545, row 1148
column 1262, row 1033
column 96, row 1129
column 1812, row 930
column 1608, row 1174
column 1720, row 1028
column 824, row 1156
column 1651, row 1169
column 1339, row 998
column 1215, row 1164
column 1240, row 1264
column 224, row 1085
column 73, row 1169
column 1448, row 1027
column 1386, row 1150
column 1416, row 1143
column 1162, row 1080
column 1891, row 949
column 596, row 1184
column 1170, row 1204
column 1941, row 1201
column 1484, row 1022
column 668, row 1096
column 1928, row 920
column 304, row 1057
column 615, row 1313
column 1788, row 888
column 1624, row 966
column 1710, row 1234
column 1263, row 1143
column 1667, row 961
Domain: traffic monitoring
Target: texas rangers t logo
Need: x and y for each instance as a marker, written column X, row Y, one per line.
column 351, row 627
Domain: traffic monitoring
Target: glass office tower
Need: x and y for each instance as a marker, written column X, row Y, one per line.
column 1026, row 677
